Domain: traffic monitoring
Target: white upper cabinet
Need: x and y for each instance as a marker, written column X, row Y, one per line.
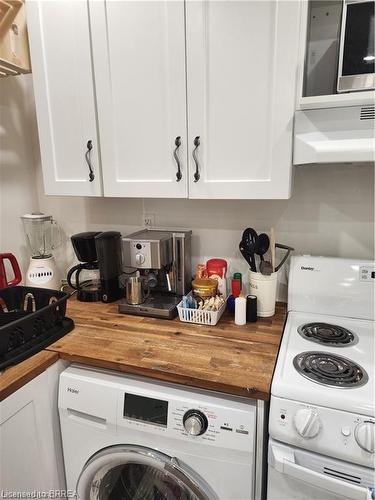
column 241, row 71
column 59, row 35
column 188, row 98
column 139, row 64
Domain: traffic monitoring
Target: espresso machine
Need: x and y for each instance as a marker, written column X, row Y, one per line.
column 162, row 272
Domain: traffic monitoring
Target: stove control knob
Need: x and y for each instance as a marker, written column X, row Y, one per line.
column 307, row 422
column 365, row 436
column 139, row 259
column 195, row 422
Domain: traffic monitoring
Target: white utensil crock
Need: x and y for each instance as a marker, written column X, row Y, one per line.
column 264, row 287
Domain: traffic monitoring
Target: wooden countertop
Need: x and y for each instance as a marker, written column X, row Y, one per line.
column 228, row 358
column 14, row 377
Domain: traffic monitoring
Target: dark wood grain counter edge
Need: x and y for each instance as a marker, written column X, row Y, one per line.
column 15, row 377
column 248, row 392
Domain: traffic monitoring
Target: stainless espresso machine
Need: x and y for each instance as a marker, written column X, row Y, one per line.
column 162, row 263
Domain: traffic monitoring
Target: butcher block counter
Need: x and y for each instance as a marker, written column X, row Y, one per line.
column 233, row 359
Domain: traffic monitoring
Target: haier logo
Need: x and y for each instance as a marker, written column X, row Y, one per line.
column 305, row 268
column 71, row 389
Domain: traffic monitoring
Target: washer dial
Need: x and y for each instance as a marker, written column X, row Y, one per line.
column 195, row 422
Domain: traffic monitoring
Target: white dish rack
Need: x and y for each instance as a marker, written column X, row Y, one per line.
column 198, row 316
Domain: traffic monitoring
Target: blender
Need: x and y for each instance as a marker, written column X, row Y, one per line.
column 43, row 235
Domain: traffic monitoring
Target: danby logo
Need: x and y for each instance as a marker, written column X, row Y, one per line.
column 71, row 389
column 305, row 268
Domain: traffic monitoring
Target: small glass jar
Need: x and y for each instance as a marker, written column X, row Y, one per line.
column 204, row 288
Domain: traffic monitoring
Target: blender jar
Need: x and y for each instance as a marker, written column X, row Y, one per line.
column 42, row 234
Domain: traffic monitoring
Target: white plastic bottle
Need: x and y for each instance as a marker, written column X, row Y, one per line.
column 240, row 310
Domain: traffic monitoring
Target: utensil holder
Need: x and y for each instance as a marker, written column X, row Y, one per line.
column 264, row 287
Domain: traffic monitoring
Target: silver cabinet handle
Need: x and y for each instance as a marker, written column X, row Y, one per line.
column 88, row 160
column 197, row 175
column 177, row 143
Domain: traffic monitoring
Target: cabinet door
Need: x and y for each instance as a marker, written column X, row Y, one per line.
column 139, row 63
column 30, row 449
column 241, row 72
column 64, row 94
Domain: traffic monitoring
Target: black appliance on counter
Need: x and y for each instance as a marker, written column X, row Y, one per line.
column 97, row 277
column 108, row 250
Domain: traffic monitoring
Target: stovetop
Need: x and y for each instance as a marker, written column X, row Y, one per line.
column 327, row 361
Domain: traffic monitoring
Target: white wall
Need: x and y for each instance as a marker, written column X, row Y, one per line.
column 18, row 194
column 331, row 212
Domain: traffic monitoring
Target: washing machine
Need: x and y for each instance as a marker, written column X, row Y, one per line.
column 133, row 438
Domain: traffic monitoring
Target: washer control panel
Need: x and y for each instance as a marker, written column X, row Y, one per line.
column 335, row 433
column 234, row 429
column 191, row 420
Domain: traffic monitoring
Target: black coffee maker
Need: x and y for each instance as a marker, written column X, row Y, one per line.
column 108, row 250
column 98, row 275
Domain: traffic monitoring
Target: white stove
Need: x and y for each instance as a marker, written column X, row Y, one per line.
column 322, row 412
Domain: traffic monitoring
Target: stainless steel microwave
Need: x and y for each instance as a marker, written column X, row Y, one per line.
column 357, row 49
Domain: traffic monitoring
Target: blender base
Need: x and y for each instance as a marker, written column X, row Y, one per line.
column 43, row 273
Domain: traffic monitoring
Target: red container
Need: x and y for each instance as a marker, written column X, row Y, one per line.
column 236, row 287
column 5, row 282
column 217, row 267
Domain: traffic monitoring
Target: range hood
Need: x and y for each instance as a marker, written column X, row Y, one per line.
column 334, row 135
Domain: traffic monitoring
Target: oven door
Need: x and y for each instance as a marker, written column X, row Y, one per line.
column 357, row 50
column 295, row 474
column 129, row 472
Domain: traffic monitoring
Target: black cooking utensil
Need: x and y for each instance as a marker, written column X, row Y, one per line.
column 248, row 245
column 262, row 246
column 244, row 253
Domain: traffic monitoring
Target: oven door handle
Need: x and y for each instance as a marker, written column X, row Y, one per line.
column 284, row 462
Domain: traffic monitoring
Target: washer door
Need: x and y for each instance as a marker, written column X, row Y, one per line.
column 127, row 472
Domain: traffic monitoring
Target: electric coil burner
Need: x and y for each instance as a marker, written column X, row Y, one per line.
column 326, row 333
column 329, row 369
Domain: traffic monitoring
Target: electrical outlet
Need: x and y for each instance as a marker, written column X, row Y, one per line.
column 149, row 220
